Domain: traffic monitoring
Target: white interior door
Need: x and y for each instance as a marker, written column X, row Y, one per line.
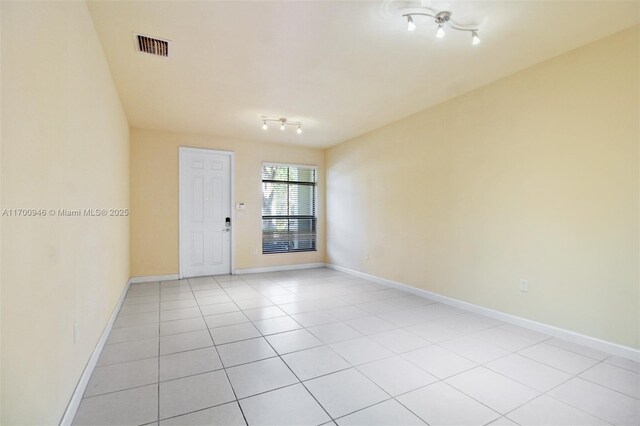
column 205, row 212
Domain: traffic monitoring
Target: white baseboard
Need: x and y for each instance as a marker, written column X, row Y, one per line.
column 76, row 397
column 150, row 278
column 581, row 339
column 280, row 268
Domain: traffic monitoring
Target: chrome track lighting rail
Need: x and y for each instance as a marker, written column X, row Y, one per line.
column 442, row 20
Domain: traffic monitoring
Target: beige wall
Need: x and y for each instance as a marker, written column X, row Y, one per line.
column 532, row 177
column 64, row 145
column 154, row 199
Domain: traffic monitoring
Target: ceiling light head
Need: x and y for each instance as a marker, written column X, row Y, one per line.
column 299, row 129
column 264, row 125
column 475, row 40
column 443, row 17
column 282, row 123
column 440, row 31
column 411, row 26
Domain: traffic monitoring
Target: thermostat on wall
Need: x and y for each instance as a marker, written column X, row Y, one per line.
column 240, row 206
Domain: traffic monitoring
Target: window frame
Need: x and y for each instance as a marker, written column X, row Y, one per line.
column 313, row 218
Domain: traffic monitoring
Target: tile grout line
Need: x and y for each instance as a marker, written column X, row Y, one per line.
column 226, row 374
column 396, row 327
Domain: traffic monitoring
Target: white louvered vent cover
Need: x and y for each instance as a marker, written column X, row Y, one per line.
column 152, row 45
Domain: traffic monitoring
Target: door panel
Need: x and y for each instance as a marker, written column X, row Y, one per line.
column 205, row 203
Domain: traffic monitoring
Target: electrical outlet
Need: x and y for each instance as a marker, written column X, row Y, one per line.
column 255, row 251
column 75, row 332
column 524, row 286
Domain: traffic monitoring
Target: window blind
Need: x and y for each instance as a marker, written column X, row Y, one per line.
column 288, row 208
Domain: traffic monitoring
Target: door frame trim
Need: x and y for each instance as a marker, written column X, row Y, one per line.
column 232, row 189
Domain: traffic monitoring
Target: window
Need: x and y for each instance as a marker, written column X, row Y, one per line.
column 288, row 208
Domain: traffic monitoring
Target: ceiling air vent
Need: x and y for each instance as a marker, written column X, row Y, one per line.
column 152, row 45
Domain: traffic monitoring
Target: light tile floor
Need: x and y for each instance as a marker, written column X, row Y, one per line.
column 321, row 347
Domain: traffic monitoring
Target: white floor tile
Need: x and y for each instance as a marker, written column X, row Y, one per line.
column 140, row 308
column 579, row 349
column 533, row 335
column 505, row 339
column 440, row 404
column 311, row 319
column 399, row 340
column 438, row 361
column 345, row 392
column 234, row 333
column 376, row 307
column 253, row 303
column 226, row 414
column 185, row 342
column 122, row 376
column 315, row 362
column 331, row 333
column 436, row 311
column 599, row 401
column 133, row 300
column 361, row 350
column 178, row 304
column 370, row 325
column 468, row 322
column 193, row 393
column 133, row 333
column 474, row 349
column 433, row 332
column 401, row 318
column 345, row 313
column 261, row 376
column 492, row 389
column 219, row 308
column 536, row 375
column 561, row 359
column 176, row 314
column 503, row 421
column 396, row 375
column 264, row 313
column 387, row 413
column 625, row 363
column 292, row 341
column 550, row 412
column 182, row 326
column 188, row 363
column 129, row 351
column 276, row 325
column 222, row 320
column 169, row 296
column 615, row 378
column 291, row 405
column 136, row 319
column 129, row 407
column 245, row 351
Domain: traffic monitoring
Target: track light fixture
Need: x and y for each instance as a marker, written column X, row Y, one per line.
column 283, row 122
column 474, row 38
column 410, row 25
column 442, row 19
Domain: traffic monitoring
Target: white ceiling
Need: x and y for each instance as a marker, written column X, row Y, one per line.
column 342, row 68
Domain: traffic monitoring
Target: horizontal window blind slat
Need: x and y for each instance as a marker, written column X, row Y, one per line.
column 288, row 209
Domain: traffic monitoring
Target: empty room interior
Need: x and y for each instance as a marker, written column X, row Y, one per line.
column 320, row 213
